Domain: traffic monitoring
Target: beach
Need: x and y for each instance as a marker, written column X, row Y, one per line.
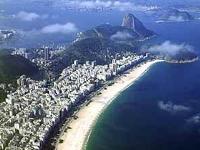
column 76, row 137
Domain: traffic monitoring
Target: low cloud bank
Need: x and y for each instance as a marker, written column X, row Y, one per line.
column 67, row 28
column 29, row 16
column 172, row 108
column 169, row 48
column 94, row 4
column 121, row 36
column 176, row 18
column 195, row 119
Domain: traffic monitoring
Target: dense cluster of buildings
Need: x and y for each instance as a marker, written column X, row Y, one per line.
column 38, row 56
column 43, row 57
column 35, row 108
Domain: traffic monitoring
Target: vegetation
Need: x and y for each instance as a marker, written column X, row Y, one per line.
column 69, row 127
column 106, row 31
column 11, row 67
column 75, row 117
column 61, row 141
column 98, row 45
column 99, row 93
column 2, row 95
column 182, row 56
column 110, row 84
column 100, row 50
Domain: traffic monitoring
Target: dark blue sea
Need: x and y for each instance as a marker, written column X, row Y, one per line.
column 162, row 110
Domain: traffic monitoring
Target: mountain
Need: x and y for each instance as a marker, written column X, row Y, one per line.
column 107, row 31
column 175, row 15
column 96, row 49
column 102, row 44
column 131, row 29
column 131, row 22
column 11, row 67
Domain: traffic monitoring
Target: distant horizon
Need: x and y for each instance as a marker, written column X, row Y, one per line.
column 36, row 27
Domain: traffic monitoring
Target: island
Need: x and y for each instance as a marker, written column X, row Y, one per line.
column 175, row 15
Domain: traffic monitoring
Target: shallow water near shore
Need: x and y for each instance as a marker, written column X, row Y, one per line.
column 136, row 120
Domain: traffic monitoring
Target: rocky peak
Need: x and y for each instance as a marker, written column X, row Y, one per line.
column 131, row 22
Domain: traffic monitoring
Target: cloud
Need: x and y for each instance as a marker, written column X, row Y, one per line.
column 121, row 36
column 195, row 119
column 176, row 18
column 27, row 16
column 169, row 48
column 60, row 28
column 95, row 4
column 172, row 108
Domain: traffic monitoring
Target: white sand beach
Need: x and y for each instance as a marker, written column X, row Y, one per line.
column 76, row 137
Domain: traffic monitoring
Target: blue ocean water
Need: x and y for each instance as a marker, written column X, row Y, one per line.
column 162, row 110
column 135, row 121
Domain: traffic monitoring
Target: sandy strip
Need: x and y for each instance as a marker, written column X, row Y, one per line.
column 75, row 138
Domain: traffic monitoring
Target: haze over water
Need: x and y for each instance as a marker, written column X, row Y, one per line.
column 30, row 18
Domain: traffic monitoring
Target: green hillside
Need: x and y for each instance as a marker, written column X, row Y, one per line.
column 11, row 67
column 100, row 50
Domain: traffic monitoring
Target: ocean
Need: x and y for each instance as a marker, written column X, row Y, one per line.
column 161, row 111
column 136, row 120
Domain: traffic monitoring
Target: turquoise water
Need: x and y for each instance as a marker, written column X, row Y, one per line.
column 136, row 121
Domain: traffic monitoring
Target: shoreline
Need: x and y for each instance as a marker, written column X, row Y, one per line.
column 77, row 136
